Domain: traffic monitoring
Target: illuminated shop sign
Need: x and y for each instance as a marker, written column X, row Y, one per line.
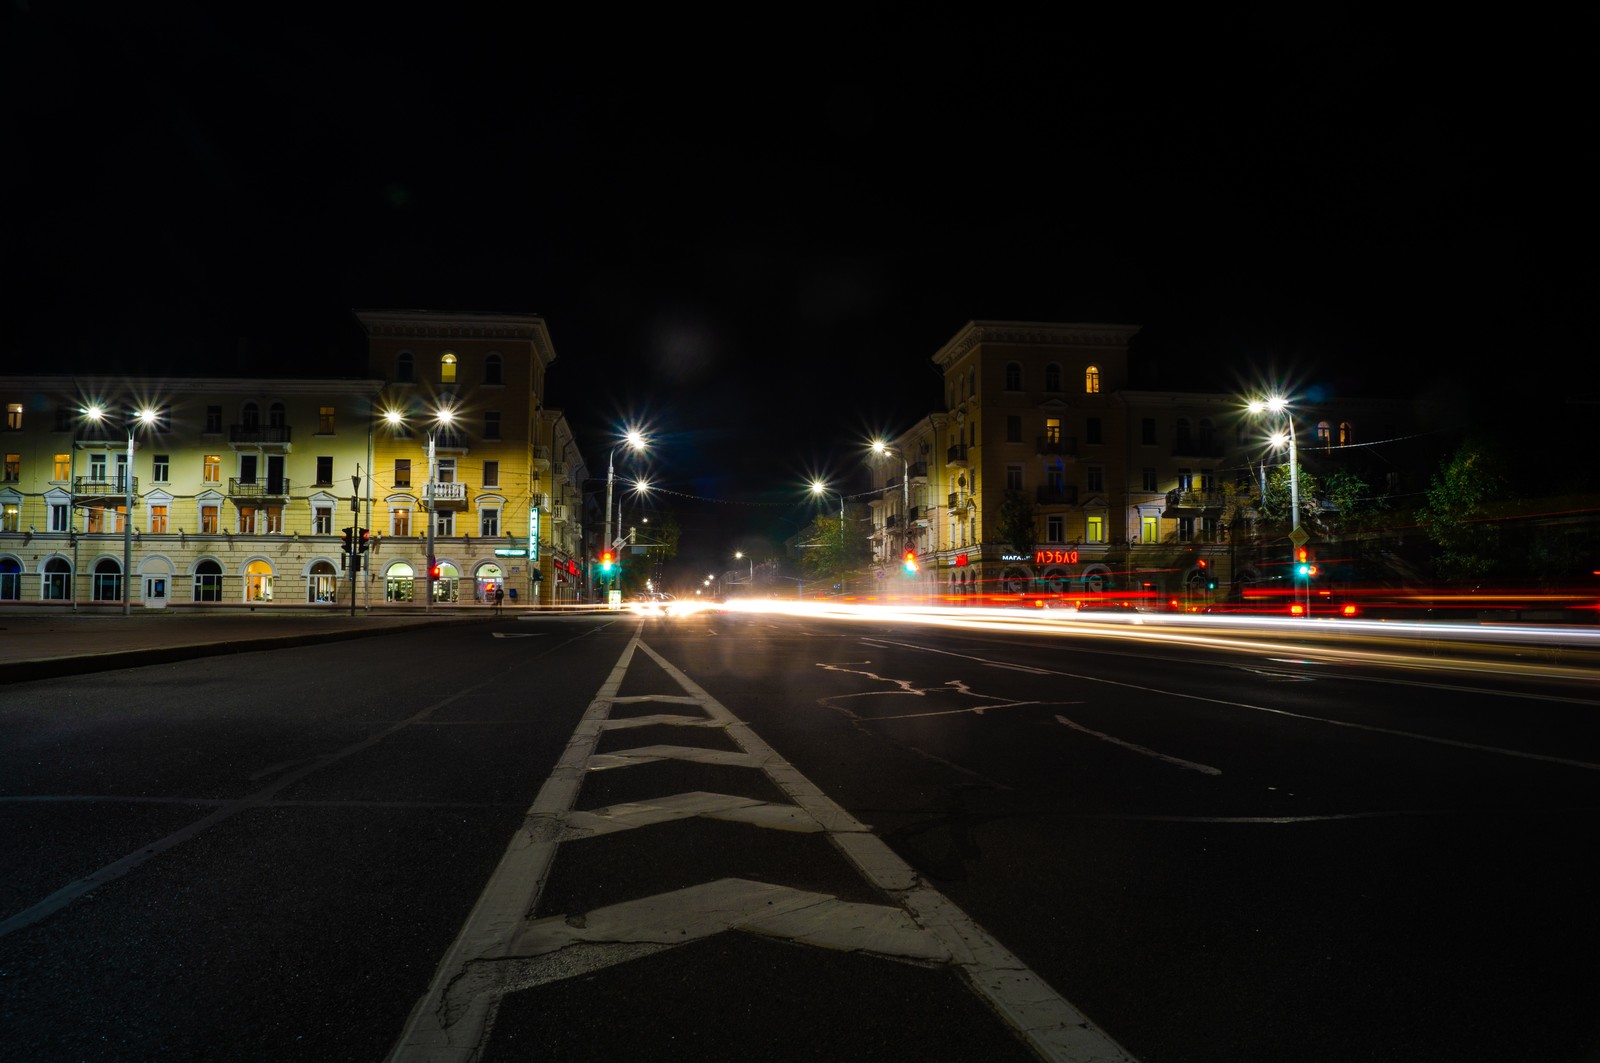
column 1055, row 557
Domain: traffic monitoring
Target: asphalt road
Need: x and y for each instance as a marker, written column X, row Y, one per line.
column 762, row 837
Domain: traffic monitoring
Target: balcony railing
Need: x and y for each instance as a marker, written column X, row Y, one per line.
column 116, row 484
column 447, row 492
column 1059, row 445
column 1057, row 496
column 919, row 470
column 258, row 433
column 956, row 455
column 267, row 487
column 953, row 499
column 1193, row 498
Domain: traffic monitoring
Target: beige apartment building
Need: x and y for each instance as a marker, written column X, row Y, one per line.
column 1133, row 491
column 240, row 490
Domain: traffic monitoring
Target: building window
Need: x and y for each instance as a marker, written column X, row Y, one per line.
column 447, row 369
column 57, row 582
column 489, row 523
column 213, row 419
column 399, row 521
column 491, row 425
column 1183, row 440
column 94, row 520
column 208, row 520
column 211, row 470
column 491, row 474
column 97, row 469
column 272, row 520
column 1208, row 435
column 1055, row 480
column 107, row 583
column 1091, row 431
column 1055, row 528
column 63, row 468
column 1013, row 477
column 1324, row 433
column 1347, row 434
column 1013, row 376
column 1186, row 529
column 1149, row 483
column 13, row 469
column 10, row 517
column 58, row 516
column 1052, row 431
column 404, row 368
column 208, row 582
column 1013, row 428
column 1149, row 529
column 325, row 420
column 247, row 520
column 158, row 520
column 322, row 520
column 1091, row 380
column 10, row 579
column 493, row 370
column 1147, row 431
column 1052, row 377
column 324, row 469
column 247, row 468
column 444, row 523
column 1094, row 528
column 1095, row 477
column 1208, row 529
column 447, row 470
column 14, row 416
column 402, row 472
column 1207, row 483
column 250, row 416
column 161, row 468
column 66, row 418
column 1185, row 479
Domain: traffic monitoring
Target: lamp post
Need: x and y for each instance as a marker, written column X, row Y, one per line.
column 444, row 417
column 145, row 417
column 819, row 489
column 636, row 440
column 738, row 555
column 1280, row 405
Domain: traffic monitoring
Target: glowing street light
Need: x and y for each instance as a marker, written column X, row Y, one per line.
column 443, row 418
column 1279, row 405
column 634, row 439
column 148, row 418
column 819, row 489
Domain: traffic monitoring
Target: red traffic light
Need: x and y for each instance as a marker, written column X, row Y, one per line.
column 909, row 561
column 433, row 569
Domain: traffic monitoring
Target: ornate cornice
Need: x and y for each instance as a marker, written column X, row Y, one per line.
column 1036, row 334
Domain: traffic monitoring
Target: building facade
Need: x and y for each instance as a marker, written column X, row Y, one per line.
column 240, row 491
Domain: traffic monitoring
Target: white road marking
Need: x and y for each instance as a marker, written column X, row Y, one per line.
column 1204, row 769
column 499, row 949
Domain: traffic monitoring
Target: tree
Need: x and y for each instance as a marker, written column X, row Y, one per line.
column 1346, row 502
column 1275, row 504
column 825, row 552
column 1014, row 521
column 1462, row 500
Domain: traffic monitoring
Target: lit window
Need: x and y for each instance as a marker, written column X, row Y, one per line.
column 10, row 517
column 211, row 472
column 158, row 520
column 63, row 467
column 208, row 520
column 13, row 469
column 399, row 522
column 272, row 521
column 14, row 416
column 1094, row 528
column 247, row 520
column 1149, row 529
column 1052, row 430
column 1091, row 380
column 94, row 520
column 1324, row 433
column 1347, row 434
column 325, row 420
column 447, row 369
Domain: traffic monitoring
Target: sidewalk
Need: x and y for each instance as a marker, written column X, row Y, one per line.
column 38, row 644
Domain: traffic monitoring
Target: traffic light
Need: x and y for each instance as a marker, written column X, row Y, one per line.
column 365, row 540
column 433, row 569
column 607, row 559
column 349, row 538
column 1302, row 562
column 1204, row 567
column 908, row 561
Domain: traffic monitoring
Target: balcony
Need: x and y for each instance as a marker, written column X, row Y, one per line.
column 87, row 490
column 1204, row 447
column 1066, row 495
column 558, row 512
column 953, row 499
column 451, row 496
column 260, row 435
column 268, row 487
column 956, row 457
column 919, row 471
column 1067, row 445
column 1181, row 503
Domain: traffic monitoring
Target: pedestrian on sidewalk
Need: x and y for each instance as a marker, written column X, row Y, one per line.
column 499, row 598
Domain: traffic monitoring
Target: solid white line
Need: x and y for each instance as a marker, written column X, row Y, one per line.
column 1204, row 769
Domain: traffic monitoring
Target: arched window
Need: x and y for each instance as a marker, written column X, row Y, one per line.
column 1183, row 437
column 1013, row 376
column 208, row 582
column 57, row 582
column 493, row 370
column 1208, row 433
column 10, row 579
column 404, row 368
column 275, row 415
column 1324, row 433
column 107, row 581
column 1052, row 377
column 1091, row 380
column 1347, row 434
column 447, row 368
column 250, row 416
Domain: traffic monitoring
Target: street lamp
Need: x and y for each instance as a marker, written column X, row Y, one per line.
column 443, row 418
column 1279, row 405
column 635, row 439
column 146, row 417
column 738, row 555
column 819, row 489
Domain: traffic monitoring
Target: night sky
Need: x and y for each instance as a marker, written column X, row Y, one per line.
column 752, row 234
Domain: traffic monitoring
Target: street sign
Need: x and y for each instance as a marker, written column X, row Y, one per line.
column 503, row 551
column 1299, row 537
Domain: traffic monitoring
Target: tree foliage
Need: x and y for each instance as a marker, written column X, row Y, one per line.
column 829, row 553
column 1458, row 514
column 1015, row 522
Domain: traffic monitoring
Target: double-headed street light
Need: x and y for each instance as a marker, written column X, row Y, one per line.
column 1279, row 405
column 146, row 417
column 443, row 418
column 634, row 439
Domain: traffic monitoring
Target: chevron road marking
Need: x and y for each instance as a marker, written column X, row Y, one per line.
column 500, row 950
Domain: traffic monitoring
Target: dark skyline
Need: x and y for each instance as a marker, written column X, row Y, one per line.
column 753, row 243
